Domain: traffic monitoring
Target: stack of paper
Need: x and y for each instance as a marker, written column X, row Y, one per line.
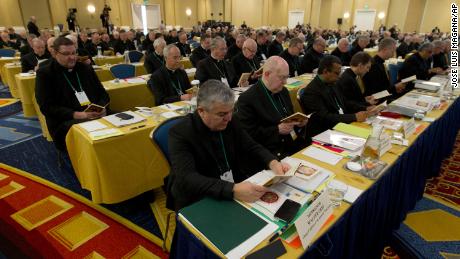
column 428, row 85
column 117, row 121
column 135, row 80
column 353, row 130
column 386, row 122
column 340, row 139
column 410, row 104
column 90, row 126
column 322, row 155
column 105, row 133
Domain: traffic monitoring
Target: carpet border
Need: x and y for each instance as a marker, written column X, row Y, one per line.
column 154, row 239
column 443, row 202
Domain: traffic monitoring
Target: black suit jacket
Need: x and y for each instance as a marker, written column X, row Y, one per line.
column 57, row 100
column 293, row 62
column 355, row 49
column 415, row 65
column 208, row 69
column 92, row 48
column 147, row 45
column 349, row 87
column 376, row 79
column 318, row 97
column 153, row 62
column 197, row 160
column 233, row 51
column 259, row 117
column 121, row 47
column 199, row 54
column 403, row 49
column 262, row 49
column 244, row 65
column 32, row 28
column 310, row 61
column 274, row 48
column 162, row 84
column 184, row 49
column 440, row 60
column 26, row 49
column 30, row 61
column 345, row 57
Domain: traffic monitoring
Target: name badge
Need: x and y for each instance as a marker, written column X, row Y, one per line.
column 263, row 56
column 225, row 81
column 293, row 135
column 295, row 73
column 82, row 98
column 227, row 176
column 341, row 110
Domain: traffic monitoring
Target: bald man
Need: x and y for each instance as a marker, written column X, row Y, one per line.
column 30, row 61
column 247, row 61
column 342, row 51
column 265, row 104
column 313, row 56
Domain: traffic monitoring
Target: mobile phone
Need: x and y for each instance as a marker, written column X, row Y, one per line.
column 124, row 116
column 287, row 211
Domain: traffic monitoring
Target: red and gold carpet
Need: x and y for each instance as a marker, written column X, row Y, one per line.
column 41, row 219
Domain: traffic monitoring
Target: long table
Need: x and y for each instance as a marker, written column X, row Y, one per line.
column 360, row 230
column 9, row 71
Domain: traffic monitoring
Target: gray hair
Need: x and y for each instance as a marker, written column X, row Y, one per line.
column 214, row 91
column 426, row 46
column 168, row 48
column 215, row 42
column 158, row 42
column 438, row 44
column 363, row 38
column 37, row 41
column 386, row 43
column 294, row 41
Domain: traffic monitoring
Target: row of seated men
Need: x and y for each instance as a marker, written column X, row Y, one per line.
column 256, row 138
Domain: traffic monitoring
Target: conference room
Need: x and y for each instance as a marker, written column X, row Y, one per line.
column 229, row 128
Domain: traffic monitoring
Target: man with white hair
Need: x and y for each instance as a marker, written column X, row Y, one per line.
column 154, row 60
column 30, row 61
column 247, row 61
column 215, row 67
column 208, row 150
column 342, row 51
column 264, row 105
column 313, row 56
column 170, row 82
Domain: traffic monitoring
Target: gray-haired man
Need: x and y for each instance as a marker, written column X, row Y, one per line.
column 207, row 150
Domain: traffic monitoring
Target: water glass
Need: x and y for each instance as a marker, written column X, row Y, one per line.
column 336, row 191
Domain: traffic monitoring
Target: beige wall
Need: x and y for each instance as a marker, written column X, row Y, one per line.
column 419, row 15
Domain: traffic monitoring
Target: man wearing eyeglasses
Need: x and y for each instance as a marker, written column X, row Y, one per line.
column 311, row 59
column 261, row 109
column 247, row 62
column 64, row 89
column 291, row 55
column 207, row 150
column 322, row 98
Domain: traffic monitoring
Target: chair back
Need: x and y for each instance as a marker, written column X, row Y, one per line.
column 7, row 53
column 159, row 136
column 135, row 56
column 123, row 71
column 393, row 70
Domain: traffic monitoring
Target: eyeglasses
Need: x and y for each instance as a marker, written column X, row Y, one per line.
column 67, row 54
column 250, row 50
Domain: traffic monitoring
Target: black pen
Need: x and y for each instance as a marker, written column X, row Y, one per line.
column 278, row 233
column 138, row 127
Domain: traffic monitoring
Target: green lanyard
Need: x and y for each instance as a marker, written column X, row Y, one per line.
column 223, row 149
column 273, row 101
column 177, row 87
column 68, row 81
column 253, row 66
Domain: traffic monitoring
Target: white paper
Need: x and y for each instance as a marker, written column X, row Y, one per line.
column 311, row 184
column 26, row 74
column 352, row 194
column 135, row 80
column 190, row 70
column 409, row 79
column 171, row 107
column 322, row 155
column 381, row 94
column 92, row 125
column 291, row 80
column 428, row 119
column 170, row 114
column 118, row 122
column 7, row 57
column 105, row 132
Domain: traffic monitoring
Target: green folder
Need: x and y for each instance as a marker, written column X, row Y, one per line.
column 353, row 130
column 226, row 224
column 294, row 84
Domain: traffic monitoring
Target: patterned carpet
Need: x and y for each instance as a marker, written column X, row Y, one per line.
column 16, row 128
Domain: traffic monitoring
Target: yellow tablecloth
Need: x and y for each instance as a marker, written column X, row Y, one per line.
column 371, row 51
column 3, row 61
column 185, row 61
column 108, row 60
column 305, row 79
column 351, row 179
column 125, row 96
column 104, row 74
column 116, row 169
column 9, row 71
column 26, row 87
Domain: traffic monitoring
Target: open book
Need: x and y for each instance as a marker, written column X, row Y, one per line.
column 244, row 78
column 296, row 117
column 95, row 108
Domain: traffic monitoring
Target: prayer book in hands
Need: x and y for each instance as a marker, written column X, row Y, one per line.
column 296, row 117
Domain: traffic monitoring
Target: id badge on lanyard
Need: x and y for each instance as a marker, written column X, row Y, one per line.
column 82, row 98
column 227, row 176
column 340, row 110
column 225, row 81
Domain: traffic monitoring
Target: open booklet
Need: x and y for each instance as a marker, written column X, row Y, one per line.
column 296, row 117
column 95, row 107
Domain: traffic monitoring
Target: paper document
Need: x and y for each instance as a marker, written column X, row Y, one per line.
column 26, row 74
column 105, row 133
column 352, row 130
column 135, row 80
column 352, row 194
column 92, row 125
column 409, row 79
column 322, row 155
column 190, row 70
column 170, row 114
column 118, row 121
column 171, row 107
column 339, row 139
column 381, row 94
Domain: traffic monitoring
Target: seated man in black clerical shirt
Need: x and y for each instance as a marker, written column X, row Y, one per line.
column 276, row 46
column 64, row 89
column 265, row 104
column 291, row 55
column 169, row 82
column 182, row 44
column 322, row 98
column 202, row 51
column 247, row 61
column 343, row 52
column 207, row 150
column 154, row 60
column 311, row 59
column 215, row 67
column 31, row 60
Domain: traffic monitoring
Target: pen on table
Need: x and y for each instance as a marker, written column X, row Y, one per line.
column 277, row 234
column 137, row 127
column 167, row 106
